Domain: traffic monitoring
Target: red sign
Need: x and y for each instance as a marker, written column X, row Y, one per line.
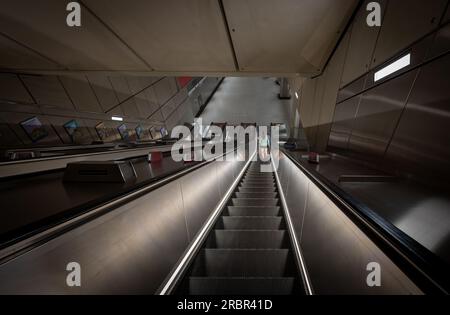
column 183, row 81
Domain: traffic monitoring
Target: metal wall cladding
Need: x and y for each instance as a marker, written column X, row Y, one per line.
column 420, row 143
column 341, row 129
column 378, row 114
column 295, row 188
column 441, row 44
column 130, row 250
column 335, row 250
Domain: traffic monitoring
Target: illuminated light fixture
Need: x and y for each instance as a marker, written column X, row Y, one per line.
column 393, row 67
column 296, row 95
column 117, row 118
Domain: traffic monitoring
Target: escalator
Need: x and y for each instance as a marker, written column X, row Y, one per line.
column 248, row 252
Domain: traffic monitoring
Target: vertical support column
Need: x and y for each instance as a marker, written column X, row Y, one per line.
column 285, row 93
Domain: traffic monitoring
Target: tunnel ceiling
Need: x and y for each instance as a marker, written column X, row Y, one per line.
column 172, row 37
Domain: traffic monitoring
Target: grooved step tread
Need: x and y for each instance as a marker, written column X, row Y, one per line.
column 253, row 211
column 242, row 263
column 245, row 239
column 250, row 223
column 241, row 286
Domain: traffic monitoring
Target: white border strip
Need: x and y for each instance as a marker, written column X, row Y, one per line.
column 184, row 262
column 298, row 253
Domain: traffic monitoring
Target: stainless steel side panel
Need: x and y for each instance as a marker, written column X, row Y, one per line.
column 200, row 195
column 296, row 195
column 127, row 251
column 335, row 250
column 130, row 250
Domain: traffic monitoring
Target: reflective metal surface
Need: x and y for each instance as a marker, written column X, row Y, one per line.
column 378, row 115
column 129, row 250
column 343, row 123
column 420, row 144
column 335, row 250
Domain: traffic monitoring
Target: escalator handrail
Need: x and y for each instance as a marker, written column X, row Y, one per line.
column 28, row 242
column 177, row 274
column 423, row 267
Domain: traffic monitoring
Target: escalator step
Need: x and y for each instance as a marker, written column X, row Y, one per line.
column 257, row 185
column 248, row 239
column 253, row 211
column 241, row 286
column 242, row 202
column 256, row 189
column 242, row 263
column 267, row 195
column 250, row 223
column 258, row 181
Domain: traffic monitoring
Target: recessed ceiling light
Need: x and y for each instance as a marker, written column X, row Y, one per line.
column 117, row 118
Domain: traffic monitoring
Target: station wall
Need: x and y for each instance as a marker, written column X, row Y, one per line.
column 397, row 123
column 90, row 100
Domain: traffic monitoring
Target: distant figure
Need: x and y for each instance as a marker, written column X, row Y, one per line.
column 264, row 147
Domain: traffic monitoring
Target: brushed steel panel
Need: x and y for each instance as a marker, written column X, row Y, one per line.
column 41, row 26
column 296, row 195
column 11, row 89
column 337, row 253
column 104, row 91
column 81, row 94
column 420, row 145
column 397, row 31
column 362, row 43
column 343, row 123
column 285, row 36
column 378, row 115
column 418, row 53
column 171, row 35
column 15, row 56
column 200, row 191
column 441, row 43
column 47, row 90
column 127, row 251
column 351, row 89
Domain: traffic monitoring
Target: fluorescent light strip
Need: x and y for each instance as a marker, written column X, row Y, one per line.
column 116, row 118
column 393, row 67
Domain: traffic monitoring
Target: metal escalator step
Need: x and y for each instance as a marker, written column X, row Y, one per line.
column 250, row 223
column 242, row 263
column 248, row 239
column 256, row 189
column 258, row 181
column 241, row 286
column 264, row 195
column 253, row 211
column 254, row 202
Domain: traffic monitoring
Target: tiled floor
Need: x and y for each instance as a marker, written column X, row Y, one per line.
column 247, row 100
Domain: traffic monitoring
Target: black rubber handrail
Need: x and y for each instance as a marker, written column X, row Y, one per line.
column 424, row 268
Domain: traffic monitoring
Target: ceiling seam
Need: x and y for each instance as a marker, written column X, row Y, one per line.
column 230, row 39
column 341, row 36
column 33, row 50
column 116, row 35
